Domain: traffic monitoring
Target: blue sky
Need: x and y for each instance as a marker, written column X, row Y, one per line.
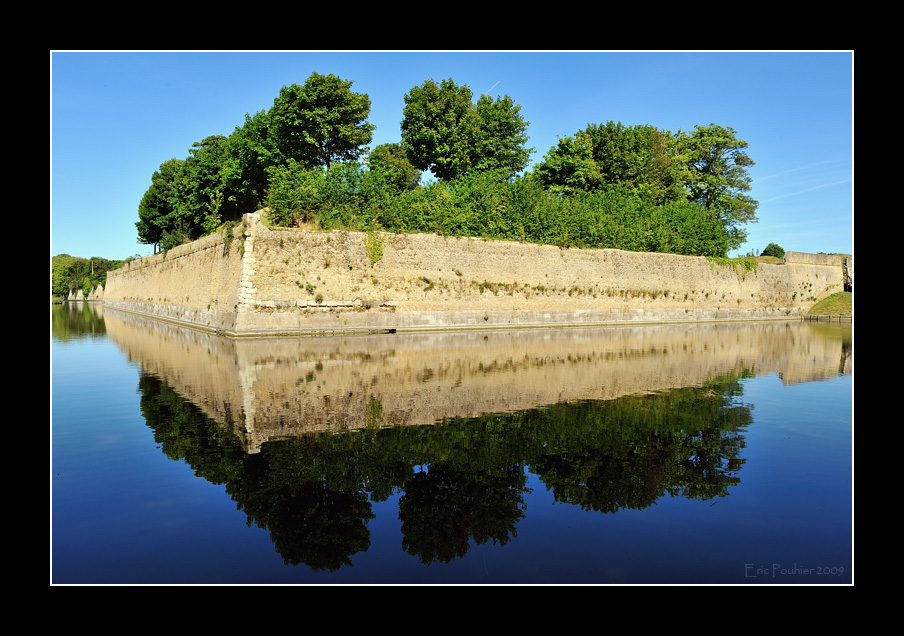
column 116, row 116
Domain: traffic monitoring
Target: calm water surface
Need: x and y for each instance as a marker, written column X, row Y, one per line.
column 691, row 454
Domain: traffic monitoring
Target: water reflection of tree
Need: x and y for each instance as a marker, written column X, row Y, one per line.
column 74, row 320
column 444, row 508
column 627, row 453
column 464, row 480
column 316, row 515
column 312, row 523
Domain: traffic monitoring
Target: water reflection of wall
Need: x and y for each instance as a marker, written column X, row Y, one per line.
column 276, row 388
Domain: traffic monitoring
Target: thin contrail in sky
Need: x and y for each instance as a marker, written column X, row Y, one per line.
column 778, row 174
column 792, row 194
column 494, row 86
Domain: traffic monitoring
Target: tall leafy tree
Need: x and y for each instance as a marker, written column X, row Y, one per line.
column 706, row 166
column 569, row 166
column 250, row 153
column 636, row 159
column 149, row 223
column 500, row 136
column 311, row 126
column 204, row 180
column 162, row 212
column 436, row 126
column 717, row 177
column 445, row 132
column 186, row 196
column 321, row 122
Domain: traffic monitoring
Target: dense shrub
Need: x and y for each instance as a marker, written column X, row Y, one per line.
column 486, row 204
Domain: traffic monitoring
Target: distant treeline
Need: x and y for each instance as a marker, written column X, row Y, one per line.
column 306, row 158
column 71, row 273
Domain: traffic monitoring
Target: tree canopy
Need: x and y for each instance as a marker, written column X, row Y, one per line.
column 608, row 185
column 445, row 132
column 706, row 166
column 773, row 249
column 717, row 177
column 313, row 125
column 163, row 212
column 321, row 122
column 391, row 160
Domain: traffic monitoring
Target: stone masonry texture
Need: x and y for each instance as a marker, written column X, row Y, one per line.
column 274, row 281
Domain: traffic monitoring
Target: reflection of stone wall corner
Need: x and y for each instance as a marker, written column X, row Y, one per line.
column 297, row 282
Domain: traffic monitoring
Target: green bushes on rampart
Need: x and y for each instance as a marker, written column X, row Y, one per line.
column 487, row 205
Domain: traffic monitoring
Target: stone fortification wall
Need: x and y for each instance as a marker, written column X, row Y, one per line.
column 843, row 261
column 287, row 281
column 833, row 260
column 196, row 284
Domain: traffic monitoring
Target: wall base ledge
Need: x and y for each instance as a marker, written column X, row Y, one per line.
column 295, row 324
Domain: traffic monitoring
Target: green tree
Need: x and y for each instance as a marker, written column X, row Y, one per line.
column 249, row 155
column 162, row 212
column 436, row 127
column 344, row 197
column 186, row 197
column 500, row 136
column 391, row 161
column 310, row 126
column 206, row 191
column 774, row 250
column 707, row 166
column 445, row 132
column 633, row 158
column 717, row 177
column 71, row 273
column 321, row 122
column 296, row 195
column 149, row 220
column 569, row 166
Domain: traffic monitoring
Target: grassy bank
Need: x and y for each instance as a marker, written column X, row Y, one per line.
column 838, row 304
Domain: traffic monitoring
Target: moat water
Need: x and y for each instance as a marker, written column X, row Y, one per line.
column 660, row 454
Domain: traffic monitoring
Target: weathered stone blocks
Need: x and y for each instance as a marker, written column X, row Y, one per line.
column 274, row 281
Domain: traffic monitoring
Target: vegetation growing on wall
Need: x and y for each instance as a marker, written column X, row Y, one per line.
column 634, row 188
column 740, row 265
